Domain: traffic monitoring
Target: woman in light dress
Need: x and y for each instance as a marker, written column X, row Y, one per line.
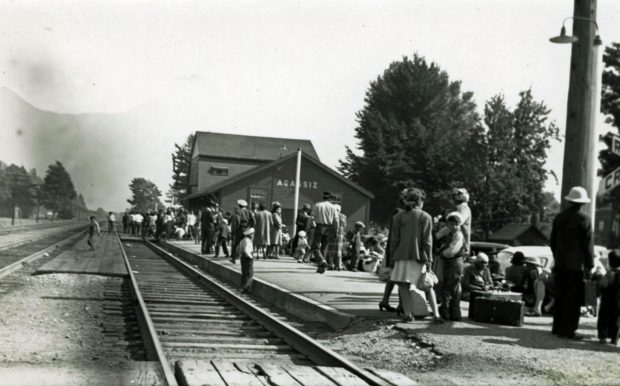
column 411, row 243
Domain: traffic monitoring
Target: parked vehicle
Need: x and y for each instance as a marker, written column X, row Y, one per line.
column 542, row 252
column 486, row 247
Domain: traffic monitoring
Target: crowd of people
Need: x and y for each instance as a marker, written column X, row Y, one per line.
column 420, row 254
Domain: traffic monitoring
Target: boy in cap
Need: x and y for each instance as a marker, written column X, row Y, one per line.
column 609, row 313
column 300, row 248
column 246, row 248
column 451, row 252
column 242, row 220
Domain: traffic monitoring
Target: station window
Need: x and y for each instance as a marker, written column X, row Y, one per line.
column 259, row 196
column 218, row 171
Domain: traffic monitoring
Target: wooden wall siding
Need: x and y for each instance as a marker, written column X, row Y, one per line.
column 314, row 181
column 206, row 179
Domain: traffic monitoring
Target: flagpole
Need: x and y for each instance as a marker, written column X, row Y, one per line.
column 296, row 203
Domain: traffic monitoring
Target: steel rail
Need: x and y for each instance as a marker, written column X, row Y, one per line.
column 5, row 271
column 149, row 334
column 22, row 242
column 301, row 342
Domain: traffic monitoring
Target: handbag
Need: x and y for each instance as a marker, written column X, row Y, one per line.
column 384, row 273
column 427, row 280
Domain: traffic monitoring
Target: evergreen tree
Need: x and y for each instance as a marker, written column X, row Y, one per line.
column 610, row 106
column 145, row 195
column 58, row 190
column 17, row 191
column 412, row 132
column 181, row 161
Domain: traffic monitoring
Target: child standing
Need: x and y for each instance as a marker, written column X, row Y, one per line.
column 301, row 247
column 246, row 248
column 609, row 311
column 451, row 252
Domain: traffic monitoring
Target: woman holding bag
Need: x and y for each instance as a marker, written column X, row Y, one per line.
column 411, row 245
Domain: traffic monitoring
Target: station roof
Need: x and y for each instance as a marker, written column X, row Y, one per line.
column 241, row 176
column 249, row 147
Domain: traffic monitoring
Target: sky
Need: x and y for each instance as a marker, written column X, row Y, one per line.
column 108, row 87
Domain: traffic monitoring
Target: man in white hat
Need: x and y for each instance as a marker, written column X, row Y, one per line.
column 242, row 220
column 573, row 254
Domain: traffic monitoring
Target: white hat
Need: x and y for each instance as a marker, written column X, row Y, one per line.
column 482, row 257
column 455, row 215
column 248, row 231
column 577, row 194
column 302, row 233
column 242, row 203
column 461, row 194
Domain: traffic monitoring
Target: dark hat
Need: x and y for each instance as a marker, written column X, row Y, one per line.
column 306, row 206
column 327, row 194
column 518, row 258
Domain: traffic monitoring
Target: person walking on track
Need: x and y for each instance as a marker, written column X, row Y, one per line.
column 111, row 222
column 93, row 232
column 573, row 255
column 326, row 219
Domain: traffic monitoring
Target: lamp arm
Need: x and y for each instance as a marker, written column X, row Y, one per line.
column 581, row 18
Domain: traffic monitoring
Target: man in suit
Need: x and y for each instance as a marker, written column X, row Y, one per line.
column 573, row 253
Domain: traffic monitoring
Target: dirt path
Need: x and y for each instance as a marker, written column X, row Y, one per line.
column 467, row 353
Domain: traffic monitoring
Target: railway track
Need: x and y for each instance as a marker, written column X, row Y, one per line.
column 187, row 315
column 12, row 259
column 31, row 236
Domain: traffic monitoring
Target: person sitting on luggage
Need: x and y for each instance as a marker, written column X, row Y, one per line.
column 374, row 255
column 609, row 311
column 515, row 274
column 534, row 285
column 477, row 276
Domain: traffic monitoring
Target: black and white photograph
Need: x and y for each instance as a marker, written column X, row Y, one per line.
column 309, row 193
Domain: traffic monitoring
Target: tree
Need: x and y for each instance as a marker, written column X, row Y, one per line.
column 145, row 195
column 58, row 190
column 507, row 159
column 411, row 132
column 610, row 106
column 17, row 191
column 181, row 161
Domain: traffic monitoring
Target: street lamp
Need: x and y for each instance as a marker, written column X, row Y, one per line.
column 563, row 38
column 579, row 141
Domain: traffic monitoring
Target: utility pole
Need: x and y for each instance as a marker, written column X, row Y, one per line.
column 580, row 138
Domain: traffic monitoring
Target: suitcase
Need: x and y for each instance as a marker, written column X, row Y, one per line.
column 419, row 308
column 473, row 295
column 499, row 295
column 500, row 311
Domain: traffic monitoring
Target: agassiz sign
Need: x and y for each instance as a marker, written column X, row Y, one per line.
column 302, row 184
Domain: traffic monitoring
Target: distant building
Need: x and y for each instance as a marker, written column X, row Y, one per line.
column 519, row 234
column 228, row 167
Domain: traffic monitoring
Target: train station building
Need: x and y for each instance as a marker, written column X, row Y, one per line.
column 228, row 167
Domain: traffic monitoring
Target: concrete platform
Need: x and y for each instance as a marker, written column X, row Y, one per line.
column 105, row 260
column 335, row 297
